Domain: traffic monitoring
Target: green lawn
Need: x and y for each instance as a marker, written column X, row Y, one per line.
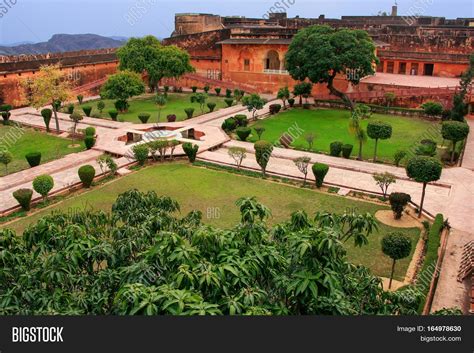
column 177, row 102
column 21, row 141
column 215, row 192
column 333, row 125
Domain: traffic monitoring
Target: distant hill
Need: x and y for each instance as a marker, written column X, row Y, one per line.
column 64, row 42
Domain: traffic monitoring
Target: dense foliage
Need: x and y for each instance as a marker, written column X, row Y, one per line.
column 143, row 260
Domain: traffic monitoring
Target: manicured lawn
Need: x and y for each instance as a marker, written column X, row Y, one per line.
column 333, row 125
column 214, row 193
column 177, row 103
column 23, row 141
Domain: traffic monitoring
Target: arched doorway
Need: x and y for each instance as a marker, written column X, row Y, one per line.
column 272, row 61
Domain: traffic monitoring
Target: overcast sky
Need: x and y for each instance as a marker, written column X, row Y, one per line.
column 38, row 20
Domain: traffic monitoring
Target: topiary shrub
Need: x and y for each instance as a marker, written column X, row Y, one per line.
column 33, row 159
column 171, row 118
column 43, row 184
column 432, row 109
column 218, row 91
column 229, row 102
column 144, row 117
column 189, row 112
column 70, row 108
column 397, row 246
column 398, row 202
column 86, row 174
column 291, row 102
column 191, row 151
column 89, row 142
column 47, row 115
column 229, row 124
column 5, row 116
column 243, row 133
column 113, row 114
column 87, row 110
column 194, row 89
column 263, row 152
column 96, row 115
column 335, row 149
column 24, row 196
column 347, row 151
column 454, row 131
column 228, row 93
column 121, row 105
column 275, row 108
column 206, row 89
column 320, row 171
column 242, row 120
column 140, row 152
column 100, row 106
column 80, row 99
column 89, row 131
column 378, row 130
column 211, row 106
column 399, row 156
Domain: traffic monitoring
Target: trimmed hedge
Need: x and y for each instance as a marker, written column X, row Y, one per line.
column 335, row 149
column 47, row 115
column 347, row 151
column 43, row 184
column 86, row 174
column 229, row 124
column 113, row 114
column 87, row 110
column 243, row 133
column 24, row 196
column 242, row 120
column 191, row 151
column 34, row 159
column 189, row 112
column 398, row 202
column 320, row 171
column 229, row 102
column 140, row 152
column 144, row 117
column 89, row 142
column 211, row 106
column 291, row 102
column 89, row 131
column 275, row 109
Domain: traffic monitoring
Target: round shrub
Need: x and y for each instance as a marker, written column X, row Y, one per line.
column 140, row 152
column 396, row 246
column 89, row 131
column 171, row 118
column 229, row 125
column 113, row 114
column 34, row 159
column 433, row 108
column 424, row 169
column 100, row 106
column 347, row 150
column 398, row 202
column 86, row 174
column 454, row 131
column 24, row 196
column 47, row 115
column 243, row 133
column 89, row 142
column 87, row 110
column 242, row 120
column 291, row 102
column 211, row 106
column 320, row 171
column 96, row 115
column 144, row 117
column 378, row 130
column 43, row 184
column 275, row 108
column 335, row 148
column 189, row 112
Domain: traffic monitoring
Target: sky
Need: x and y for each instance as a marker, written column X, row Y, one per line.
column 38, row 20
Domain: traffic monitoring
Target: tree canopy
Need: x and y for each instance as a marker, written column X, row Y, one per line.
column 122, row 86
column 148, row 55
column 144, row 260
column 320, row 53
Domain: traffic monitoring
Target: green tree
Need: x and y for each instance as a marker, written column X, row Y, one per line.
column 122, row 86
column 396, row 246
column 302, row 89
column 320, row 53
column 160, row 101
column 263, row 152
column 454, row 131
column 384, row 180
column 6, row 157
column 148, row 55
column 238, row 154
column 302, row 163
column 76, row 118
column 201, row 99
column 424, row 170
column 378, row 130
column 356, row 129
column 460, row 106
column 253, row 103
column 284, row 95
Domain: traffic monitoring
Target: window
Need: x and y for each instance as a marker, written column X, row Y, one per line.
column 247, row 65
column 429, row 69
column 414, row 69
column 380, row 66
column 272, row 62
column 390, row 66
column 402, row 68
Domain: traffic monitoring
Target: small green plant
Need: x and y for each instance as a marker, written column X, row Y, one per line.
column 432, row 109
column 80, row 99
column 144, row 117
column 89, row 131
column 398, row 202
column 33, row 159
column 399, row 156
column 275, row 109
column 86, row 174
column 70, row 108
column 259, row 131
column 229, row 125
column 211, row 106
column 6, row 158
column 291, row 102
column 89, row 142
column 113, row 114
column 243, row 133
column 228, row 93
column 218, row 91
column 24, row 196
column 378, row 130
column 242, row 120
column 140, row 152
column 43, row 184
column 100, row 106
column 206, row 89
column 263, row 152
column 320, row 171
column 191, row 151
column 189, row 112
column 194, row 89
column 229, row 102
column 336, row 149
column 47, row 115
column 347, row 151
column 87, row 110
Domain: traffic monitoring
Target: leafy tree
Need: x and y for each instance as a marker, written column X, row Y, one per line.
column 238, row 154
column 259, row 130
column 107, row 164
column 263, row 152
column 160, row 101
column 433, row 108
column 396, row 246
column 384, row 180
column 454, row 131
column 6, row 157
column 398, row 202
column 100, row 106
column 76, row 118
column 191, row 151
column 320, row 53
column 140, row 153
column 424, row 170
column 460, row 107
column 284, row 95
column 356, row 129
column 201, row 99
column 254, row 103
column 378, row 130
column 122, row 86
column 148, row 55
column 302, row 163
column 302, row 89
column 49, row 87
column 43, row 184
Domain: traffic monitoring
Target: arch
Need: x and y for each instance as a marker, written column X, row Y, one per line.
column 272, row 61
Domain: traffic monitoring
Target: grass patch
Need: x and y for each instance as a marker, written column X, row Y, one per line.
column 333, row 125
column 177, row 102
column 26, row 140
column 214, row 193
